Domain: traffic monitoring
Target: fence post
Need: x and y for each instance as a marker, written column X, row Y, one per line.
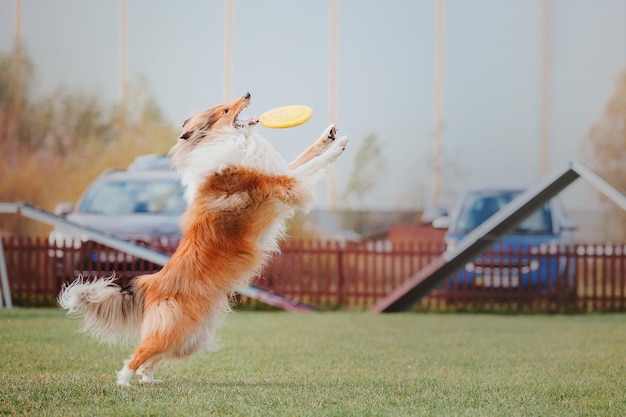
column 340, row 278
column 4, row 276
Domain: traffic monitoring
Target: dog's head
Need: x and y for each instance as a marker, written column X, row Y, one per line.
column 218, row 119
column 217, row 138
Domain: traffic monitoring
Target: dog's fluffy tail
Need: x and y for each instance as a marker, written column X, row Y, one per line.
column 111, row 314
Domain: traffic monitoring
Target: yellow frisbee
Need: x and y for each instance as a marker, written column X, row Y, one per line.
column 286, row 116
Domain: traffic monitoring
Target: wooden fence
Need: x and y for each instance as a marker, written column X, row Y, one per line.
column 330, row 274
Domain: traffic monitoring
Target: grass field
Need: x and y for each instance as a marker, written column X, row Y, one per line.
column 330, row 364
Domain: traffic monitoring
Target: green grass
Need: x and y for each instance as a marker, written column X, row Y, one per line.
column 330, row 364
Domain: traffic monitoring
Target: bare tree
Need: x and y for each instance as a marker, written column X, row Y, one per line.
column 53, row 146
column 363, row 176
column 365, row 171
column 605, row 146
column 13, row 105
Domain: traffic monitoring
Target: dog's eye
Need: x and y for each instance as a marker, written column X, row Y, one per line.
column 225, row 111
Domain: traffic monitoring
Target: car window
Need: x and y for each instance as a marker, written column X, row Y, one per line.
column 128, row 197
column 479, row 207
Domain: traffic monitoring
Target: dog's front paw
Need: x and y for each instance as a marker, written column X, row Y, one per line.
column 343, row 142
column 325, row 141
column 331, row 132
column 339, row 146
column 328, row 137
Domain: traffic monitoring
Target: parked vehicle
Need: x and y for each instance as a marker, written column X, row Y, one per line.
column 139, row 204
column 525, row 257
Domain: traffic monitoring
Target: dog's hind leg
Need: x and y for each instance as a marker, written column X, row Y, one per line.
column 124, row 376
column 164, row 326
column 147, row 374
column 319, row 147
column 146, row 355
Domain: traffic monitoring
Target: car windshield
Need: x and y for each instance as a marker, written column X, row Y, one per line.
column 132, row 197
column 478, row 207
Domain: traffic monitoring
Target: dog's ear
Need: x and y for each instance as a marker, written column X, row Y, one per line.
column 199, row 122
column 186, row 132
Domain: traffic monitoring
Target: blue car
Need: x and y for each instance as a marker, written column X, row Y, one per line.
column 530, row 257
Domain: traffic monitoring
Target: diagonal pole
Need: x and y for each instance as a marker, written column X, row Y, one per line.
column 34, row 213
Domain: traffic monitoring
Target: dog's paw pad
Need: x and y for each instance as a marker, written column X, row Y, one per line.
column 332, row 132
column 329, row 134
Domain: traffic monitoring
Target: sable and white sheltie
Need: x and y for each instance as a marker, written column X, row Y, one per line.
column 240, row 191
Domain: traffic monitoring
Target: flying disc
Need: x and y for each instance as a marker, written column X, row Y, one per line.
column 286, row 116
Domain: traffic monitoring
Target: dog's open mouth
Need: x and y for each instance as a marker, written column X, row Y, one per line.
column 241, row 122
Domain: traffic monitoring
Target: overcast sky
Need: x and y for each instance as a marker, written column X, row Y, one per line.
column 492, row 64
